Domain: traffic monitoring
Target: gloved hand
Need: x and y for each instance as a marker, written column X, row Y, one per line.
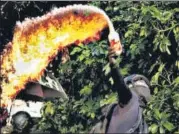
column 113, row 54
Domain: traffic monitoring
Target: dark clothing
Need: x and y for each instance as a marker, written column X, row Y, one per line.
column 124, row 116
column 102, row 126
column 119, row 86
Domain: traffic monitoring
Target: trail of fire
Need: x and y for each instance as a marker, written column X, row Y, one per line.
column 36, row 41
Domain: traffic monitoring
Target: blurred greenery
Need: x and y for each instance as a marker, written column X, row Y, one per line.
column 149, row 32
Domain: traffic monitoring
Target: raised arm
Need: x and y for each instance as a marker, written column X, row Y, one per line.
column 124, row 94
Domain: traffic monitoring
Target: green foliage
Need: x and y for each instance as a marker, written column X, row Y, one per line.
column 162, row 114
column 87, row 83
column 150, row 34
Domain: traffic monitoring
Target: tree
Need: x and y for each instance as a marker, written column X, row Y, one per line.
column 150, row 35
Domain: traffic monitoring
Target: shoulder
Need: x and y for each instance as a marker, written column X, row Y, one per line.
column 106, row 113
column 133, row 102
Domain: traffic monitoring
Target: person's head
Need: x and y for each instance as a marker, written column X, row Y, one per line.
column 140, row 85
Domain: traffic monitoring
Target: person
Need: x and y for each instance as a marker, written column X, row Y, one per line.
column 125, row 116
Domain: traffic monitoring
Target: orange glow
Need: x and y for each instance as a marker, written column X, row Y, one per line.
column 37, row 41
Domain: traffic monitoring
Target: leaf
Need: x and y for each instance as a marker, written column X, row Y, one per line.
column 108, row 100
column 81, row 57
column 155, row 78
column 144, row 10
column 63, row 117
column 89, row 61
column 157, row 114
column 165, row 115
column 168, row 51
column 128, row 33
column 176, row 81
column 153, row 128
column 75, row 50
column 143, row 31
column 161, row 130
column 177, row 64
column 166, row 16
column 164, row 44
column 49, row 109
column 107, row 69
column 161, row 67
column 169, row 126
column 111, row 80
column 92, row 115
column 176, row 32
column 155, row 12
column 155, row 90
column 86, row 90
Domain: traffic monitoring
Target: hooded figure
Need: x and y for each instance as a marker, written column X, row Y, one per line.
column 125, row 116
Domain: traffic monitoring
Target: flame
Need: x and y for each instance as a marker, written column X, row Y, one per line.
column 36, row 42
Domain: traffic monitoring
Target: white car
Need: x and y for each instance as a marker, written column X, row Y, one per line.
column 28, row 103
